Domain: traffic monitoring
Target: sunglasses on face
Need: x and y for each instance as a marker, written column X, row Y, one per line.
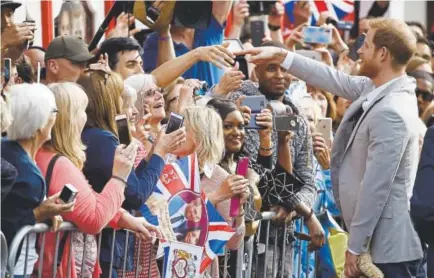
column 426, row 95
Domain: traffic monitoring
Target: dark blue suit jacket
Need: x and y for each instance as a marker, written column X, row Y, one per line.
column 422, row 201
column 26, row 194
column 101, row 146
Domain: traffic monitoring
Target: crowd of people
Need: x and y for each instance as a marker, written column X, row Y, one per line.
column 373, row 171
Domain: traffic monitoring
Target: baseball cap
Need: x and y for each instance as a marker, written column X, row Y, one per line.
column 68, row 47
column 10, row 4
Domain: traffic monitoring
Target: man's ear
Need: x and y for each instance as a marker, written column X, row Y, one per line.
column 53, row 66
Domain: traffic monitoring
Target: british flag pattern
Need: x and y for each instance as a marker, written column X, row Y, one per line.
column 181, row 175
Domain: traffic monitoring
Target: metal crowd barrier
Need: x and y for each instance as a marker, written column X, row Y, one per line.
column 247, row 260
column 4, row 255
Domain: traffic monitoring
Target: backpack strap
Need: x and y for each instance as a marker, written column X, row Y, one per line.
column 47, row 181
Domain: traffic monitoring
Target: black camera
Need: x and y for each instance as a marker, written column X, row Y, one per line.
column 260, row 7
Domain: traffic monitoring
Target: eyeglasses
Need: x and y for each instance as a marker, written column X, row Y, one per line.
column 426, row 95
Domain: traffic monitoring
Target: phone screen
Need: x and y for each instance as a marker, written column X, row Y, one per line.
column 235, row 45
column 7, row 70
column 68, row 193
column 123, row 131
column 242, row 62
column 175, row 122
column 313, row 34
column 353, row 55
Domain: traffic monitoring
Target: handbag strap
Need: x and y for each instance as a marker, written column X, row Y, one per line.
column 48, row 176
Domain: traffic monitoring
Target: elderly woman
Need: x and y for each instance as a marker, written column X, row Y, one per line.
column 33, row 110
column 93, row 211
column 100, row 135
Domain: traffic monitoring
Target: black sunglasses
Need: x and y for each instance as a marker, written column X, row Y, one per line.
column 426, row 95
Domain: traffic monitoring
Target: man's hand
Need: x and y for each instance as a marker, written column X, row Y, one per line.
column 276, row 15
column 123, row 22
column 351, row 269
column 231, row 81
column 219, row 55
column 295, row 37
column 261, row 55
column 16, row 34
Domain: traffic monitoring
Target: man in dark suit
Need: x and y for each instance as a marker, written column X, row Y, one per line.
column 422, row 201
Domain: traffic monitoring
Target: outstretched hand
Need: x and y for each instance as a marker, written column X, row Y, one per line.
column 261, row 55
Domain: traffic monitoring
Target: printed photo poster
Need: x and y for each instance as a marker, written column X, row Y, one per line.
column 184, row 214
column 182, row 260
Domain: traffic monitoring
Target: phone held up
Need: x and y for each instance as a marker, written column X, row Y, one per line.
column 324, row 126
column 235, row 45
column 242, row 167
column 286, row 123
column 256, row 104
column 319, row 35
column 68, row 194
column 353, row 55
column 123, row 129
column 175, row 122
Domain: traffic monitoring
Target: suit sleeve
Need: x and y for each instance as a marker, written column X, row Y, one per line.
column 320, row 75
column 388, row 138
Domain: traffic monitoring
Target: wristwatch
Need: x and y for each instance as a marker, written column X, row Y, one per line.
column 273, row 27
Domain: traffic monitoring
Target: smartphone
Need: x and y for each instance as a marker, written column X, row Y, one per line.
column 311, row 54
column 243, row 67
column 68, row 194
column 175, row 122
column 286, row 122
column 202, row 90
column 235, row 45
column 324, row 126
column 242, row 167
column 255, row 103
column 7, row 70
column 353, row 55
column 257, row 31
column 123, row 129
column 320, row 35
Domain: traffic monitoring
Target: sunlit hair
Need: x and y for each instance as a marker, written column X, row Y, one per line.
column 31, row 106
column 129, row 97
column 140, row 82
column 207, row 127
column 5, row 114
column 66, row 134
column 331, row 104
column 416, row 62
column 396, row 36
column 104, row 92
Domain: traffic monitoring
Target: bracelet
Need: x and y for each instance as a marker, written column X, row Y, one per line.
column 266, row 149
column 273, row 27
column 119, row 179
column 165, row 38
column 307, row 218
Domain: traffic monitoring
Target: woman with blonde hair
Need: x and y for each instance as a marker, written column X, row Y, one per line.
column 64, row 157
column 205, row 138
column 100, row 135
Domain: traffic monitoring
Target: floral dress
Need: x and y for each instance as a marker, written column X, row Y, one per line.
column 304, row 261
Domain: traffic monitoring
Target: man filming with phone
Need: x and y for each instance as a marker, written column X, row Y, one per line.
column 375, row 152
column 273, row 81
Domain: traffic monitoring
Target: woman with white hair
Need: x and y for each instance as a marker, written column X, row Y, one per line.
column 33, row 110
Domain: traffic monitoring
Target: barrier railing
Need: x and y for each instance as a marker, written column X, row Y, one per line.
column 249, row 256
column 4, row 255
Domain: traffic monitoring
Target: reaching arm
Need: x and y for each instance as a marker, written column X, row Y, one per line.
column 314, row 73
column 166, row 51
column 388, row 138
column 169, row 71
column 221, row 9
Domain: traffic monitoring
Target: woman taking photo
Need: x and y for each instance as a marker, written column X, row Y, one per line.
column 93, row 211
column 100, row 135
column 33, row 110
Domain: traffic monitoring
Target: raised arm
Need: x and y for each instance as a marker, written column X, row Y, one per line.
column 314, row 73
column 169, row 71
column 221, row 9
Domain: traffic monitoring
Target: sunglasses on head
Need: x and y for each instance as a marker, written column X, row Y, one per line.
column 426, row 95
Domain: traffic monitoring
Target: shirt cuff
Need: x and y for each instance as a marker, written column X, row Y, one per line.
column 354, row 253
column 288, row 60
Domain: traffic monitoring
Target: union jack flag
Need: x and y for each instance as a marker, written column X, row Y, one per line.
column 176, row 179
column 340, row 9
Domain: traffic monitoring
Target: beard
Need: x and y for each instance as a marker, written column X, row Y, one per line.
column 368, row 69
column 270, row 94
